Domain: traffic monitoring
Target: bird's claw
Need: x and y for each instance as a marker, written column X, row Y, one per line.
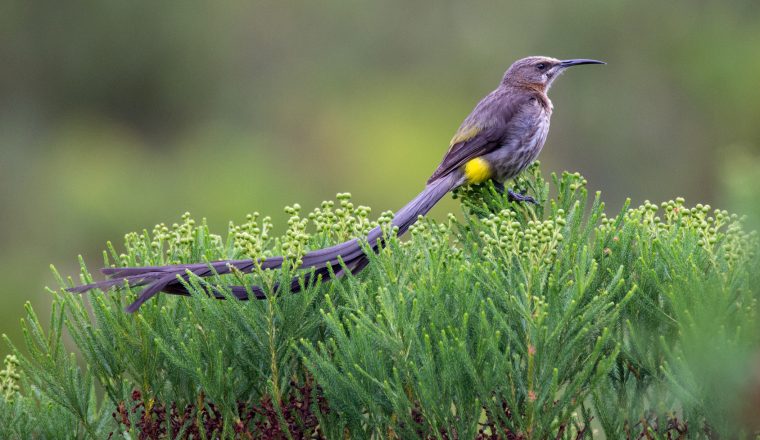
column 520, row 197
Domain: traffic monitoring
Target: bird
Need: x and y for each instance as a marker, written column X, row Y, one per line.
column 501, row 137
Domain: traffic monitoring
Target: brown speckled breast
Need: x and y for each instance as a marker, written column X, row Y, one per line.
column 523, row 141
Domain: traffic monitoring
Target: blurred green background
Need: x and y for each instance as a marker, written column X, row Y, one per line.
column 115, row 116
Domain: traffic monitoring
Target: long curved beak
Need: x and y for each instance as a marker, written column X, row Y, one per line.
column 579, row 61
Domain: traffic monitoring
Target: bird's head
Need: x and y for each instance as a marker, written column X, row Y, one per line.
column 539, row 72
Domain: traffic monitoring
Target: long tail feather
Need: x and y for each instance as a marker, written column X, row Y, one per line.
column 349, row 254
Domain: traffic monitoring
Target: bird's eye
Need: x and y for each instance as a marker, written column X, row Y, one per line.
column 540, row 66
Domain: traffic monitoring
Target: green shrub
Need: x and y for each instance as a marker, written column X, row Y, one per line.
column 515, row 322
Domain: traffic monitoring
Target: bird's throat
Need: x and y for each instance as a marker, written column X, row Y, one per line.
column 477, row 170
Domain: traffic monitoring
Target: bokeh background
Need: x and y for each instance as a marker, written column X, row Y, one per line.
column 115, row 116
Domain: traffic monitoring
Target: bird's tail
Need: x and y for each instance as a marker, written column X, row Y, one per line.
column 336, row 259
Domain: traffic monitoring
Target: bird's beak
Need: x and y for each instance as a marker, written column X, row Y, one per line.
column 579, row 61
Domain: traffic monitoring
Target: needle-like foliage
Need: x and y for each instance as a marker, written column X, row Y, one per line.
column 515, row 321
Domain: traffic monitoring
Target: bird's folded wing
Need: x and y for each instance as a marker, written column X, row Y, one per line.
column 483, row 131
column 482, row 142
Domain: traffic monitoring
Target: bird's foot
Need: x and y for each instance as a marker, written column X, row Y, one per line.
column 520, row 197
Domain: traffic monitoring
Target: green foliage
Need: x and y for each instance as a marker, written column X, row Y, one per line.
column 517, row 321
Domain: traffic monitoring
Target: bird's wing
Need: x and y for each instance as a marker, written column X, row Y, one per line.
column 482, row 132
column 468, row 143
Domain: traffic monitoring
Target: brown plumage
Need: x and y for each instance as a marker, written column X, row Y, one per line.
column 502, row 136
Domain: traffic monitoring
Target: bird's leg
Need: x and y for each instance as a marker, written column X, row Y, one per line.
column 520, row 197
column 511, row 195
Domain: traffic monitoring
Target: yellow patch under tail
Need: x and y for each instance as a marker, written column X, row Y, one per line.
column 477, row 170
